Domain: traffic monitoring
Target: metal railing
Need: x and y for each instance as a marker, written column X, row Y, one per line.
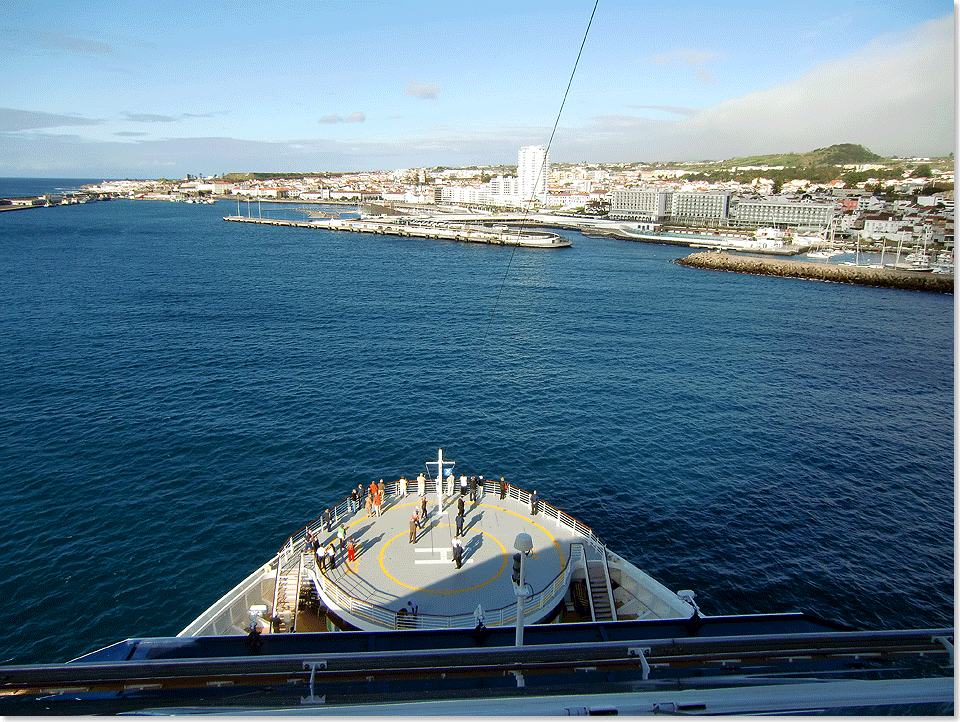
column 547, row 598
column 289, row 555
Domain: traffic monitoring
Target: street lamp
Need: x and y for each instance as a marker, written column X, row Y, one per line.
column 523, row 544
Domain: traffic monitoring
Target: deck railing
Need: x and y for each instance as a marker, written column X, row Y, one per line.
column 289, row 555
column 547, row 598
column 289, row 552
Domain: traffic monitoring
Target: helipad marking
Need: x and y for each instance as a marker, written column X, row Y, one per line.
column 529, row 520
column 442, row 591
column 446, row 556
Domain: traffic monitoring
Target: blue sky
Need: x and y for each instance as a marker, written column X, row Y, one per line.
column 164, row 89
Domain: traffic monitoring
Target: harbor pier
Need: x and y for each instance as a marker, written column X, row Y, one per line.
column 439, row 229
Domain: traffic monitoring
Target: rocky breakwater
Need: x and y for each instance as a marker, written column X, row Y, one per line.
column 862, row 275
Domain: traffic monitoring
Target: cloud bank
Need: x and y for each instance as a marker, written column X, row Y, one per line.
column 894, row 96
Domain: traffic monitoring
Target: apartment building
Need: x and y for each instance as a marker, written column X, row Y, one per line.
column 782, row 214
column 699, row 207
column 643, row 205
column 533, row 169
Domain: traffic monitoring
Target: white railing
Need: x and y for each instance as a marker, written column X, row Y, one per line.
column 237, row 602
column 547, row 598
column 289, row 555
column 562, row 518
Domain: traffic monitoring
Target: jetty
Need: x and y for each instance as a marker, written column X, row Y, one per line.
column 787, row 268
column 423, row 228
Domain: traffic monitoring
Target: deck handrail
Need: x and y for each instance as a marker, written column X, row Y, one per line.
column 289, row 554
column 289, row 550
column 502, row 616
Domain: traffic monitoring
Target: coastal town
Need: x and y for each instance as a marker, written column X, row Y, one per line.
column 821, row 203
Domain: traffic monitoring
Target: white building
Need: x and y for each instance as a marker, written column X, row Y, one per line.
column 644, row 205
column 695, row 207
column 781, row 213
column 533, row 169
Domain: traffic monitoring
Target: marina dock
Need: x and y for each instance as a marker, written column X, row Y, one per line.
column 443, row 230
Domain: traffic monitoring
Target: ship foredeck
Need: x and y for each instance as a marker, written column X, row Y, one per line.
column 391, row 572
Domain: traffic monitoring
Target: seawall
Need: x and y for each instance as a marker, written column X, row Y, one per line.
column 861, row 275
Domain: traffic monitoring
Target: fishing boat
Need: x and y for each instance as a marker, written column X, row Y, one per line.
column 564, row 626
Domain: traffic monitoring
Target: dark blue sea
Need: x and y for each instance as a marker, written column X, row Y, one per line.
column 180, row 394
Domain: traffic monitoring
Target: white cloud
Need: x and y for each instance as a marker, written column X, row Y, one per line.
column 357, row 117
column 13, row 119
column 896, row 95
column 688, row 57
column 416, row 89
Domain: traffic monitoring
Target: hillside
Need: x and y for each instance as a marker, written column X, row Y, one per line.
column 840, row 154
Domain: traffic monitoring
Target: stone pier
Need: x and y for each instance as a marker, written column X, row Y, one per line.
column 785, row 268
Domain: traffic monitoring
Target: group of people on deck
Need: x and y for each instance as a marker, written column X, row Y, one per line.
column 324, row 555
column 371, row 499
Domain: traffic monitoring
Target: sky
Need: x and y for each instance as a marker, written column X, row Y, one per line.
column 151, row 89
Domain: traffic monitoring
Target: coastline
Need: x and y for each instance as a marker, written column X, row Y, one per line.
column 784, row 268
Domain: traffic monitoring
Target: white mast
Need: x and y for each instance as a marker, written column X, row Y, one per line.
column 440, row 464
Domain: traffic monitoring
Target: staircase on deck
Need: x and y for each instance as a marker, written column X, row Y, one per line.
column 286, row 596
column 601, row 594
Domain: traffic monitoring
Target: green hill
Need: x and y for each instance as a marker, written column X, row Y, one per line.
column 840, row 154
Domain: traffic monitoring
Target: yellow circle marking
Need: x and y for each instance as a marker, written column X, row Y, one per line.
column 442, row 591
column 528, row 520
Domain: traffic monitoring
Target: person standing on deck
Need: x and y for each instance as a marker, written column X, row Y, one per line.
column 342, row 536
column 382, row 488
column 473, row 488
column 308, row 540
column 326, row 520
column 457, row 546
column 534, row 503
column 332, row 555
column 460, row 506
column 354, row 501
column 463, row 484
column 459, row 521
column 402, row 486
column 422, row 485
column 423, row 510
column 414, row 523
column 503, row 488
column 480, row 490
column 351, row 550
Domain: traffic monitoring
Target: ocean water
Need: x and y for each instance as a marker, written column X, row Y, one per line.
column 180, row 394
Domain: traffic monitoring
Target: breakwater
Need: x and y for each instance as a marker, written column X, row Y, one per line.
column 861, row 275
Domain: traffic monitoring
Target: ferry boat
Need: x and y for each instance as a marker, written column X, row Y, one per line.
column 564, row 626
